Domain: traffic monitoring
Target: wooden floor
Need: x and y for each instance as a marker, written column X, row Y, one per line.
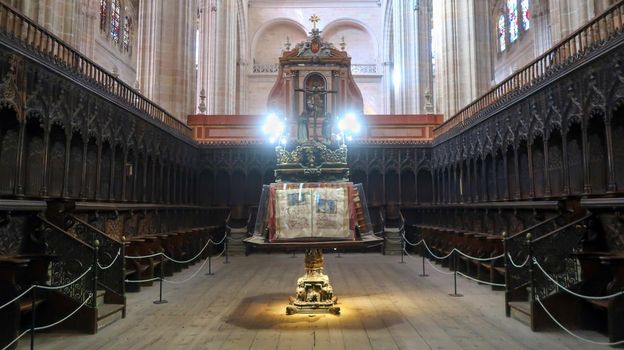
column 385, row 305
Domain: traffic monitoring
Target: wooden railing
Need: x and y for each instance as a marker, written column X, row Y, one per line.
column 574, row 47
column 22, row 30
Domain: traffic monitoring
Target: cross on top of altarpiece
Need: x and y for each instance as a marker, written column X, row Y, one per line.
column 314, row 19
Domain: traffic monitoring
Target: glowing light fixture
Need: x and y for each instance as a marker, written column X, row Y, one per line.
column 348, row 126
column 273, row 128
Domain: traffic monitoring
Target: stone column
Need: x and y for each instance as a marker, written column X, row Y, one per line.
column 166, row 62
column 405, row 69
column 206, row 52
column 224, row 59
column 463, row 67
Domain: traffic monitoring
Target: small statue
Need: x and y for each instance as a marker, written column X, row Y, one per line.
column 302, row 126
column 315, row 106
column 327, row 127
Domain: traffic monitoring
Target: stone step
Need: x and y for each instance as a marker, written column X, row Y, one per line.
column 236, row 246
column 392, row 241
column 99, row 297
column 108, row 314
column 521, row 311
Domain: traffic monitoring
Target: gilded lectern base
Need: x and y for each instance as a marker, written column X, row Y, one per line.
column 314, row 293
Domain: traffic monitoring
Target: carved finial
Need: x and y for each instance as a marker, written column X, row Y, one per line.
column 342, row 43
column 314, row 19
column 428, row 102
column 202, row 103
column 287, row 43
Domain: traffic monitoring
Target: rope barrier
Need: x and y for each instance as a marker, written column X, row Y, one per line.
column 178, row 261
column 574, row 293
column 410, row 243
column 18, row 297
column 516, row 265
column 574, row 335
column 191, row 259
column 440, row 271
column 111, row 264
column 44, row 287
column 479, row 259
column 141, row 281
column 458, row 251
column 436, row 256
column 480, row 281
column 65, row 285
column 66, row 317
column 194, row 273
column 217, row 243
column 16, row 339
column 459, row 273
column 142, row 256
column 48, row 326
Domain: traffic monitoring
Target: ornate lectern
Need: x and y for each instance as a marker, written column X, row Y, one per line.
column 312, row 205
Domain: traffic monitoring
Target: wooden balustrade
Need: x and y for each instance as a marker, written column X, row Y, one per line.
column 574, row 47
column 33, row 37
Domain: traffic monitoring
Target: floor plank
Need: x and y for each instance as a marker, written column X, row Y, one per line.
column 385, row 305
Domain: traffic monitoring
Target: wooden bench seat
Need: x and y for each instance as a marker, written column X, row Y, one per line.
column 18, row 273
column 442, row 240
column 180, row 245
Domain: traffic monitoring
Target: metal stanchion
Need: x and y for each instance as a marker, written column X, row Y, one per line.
column 209, row 273
column 123, row 262
column 293, row 254
column 227, row 258
column 402, row 250
column 422, row 253
column 529, row 242
column 96, row 249
column 454, row 294
column 210, row 251
column 32, row 321
column 162, row 269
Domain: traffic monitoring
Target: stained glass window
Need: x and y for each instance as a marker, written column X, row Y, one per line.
column 526, row 15
column 126, row 33
column 512, row 15
column 103, row 14
column 115, row 21
column 501, row 33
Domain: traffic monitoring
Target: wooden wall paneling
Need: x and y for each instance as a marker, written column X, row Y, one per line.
column 617, row 131
column 501, row 176
column 537, row 152
column 56, row 161
column 555, row 163
column 597, row 151
column 408, row 187
column 75, row 167
column 33, row 156
column 9, row 142
column 106, row 160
